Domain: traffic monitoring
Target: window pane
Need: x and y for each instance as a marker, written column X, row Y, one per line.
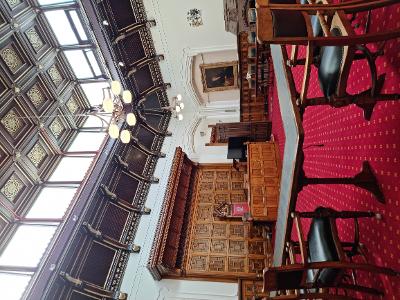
column 93, row 62
column 93, row 121
column 46, row 2
column 78, row 25
column 61, row 27
column 94, row 92
column 71, row 169
column 27, row 245
column 79, row 63
column 51, row 203
column 87, row 141
column 13, row 285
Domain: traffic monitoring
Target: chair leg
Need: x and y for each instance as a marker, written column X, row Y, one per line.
column 330, row 213
column 360, row 288
column 373, row 269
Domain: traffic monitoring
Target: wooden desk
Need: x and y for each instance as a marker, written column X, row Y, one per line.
column 263, row 180
column 292, row 155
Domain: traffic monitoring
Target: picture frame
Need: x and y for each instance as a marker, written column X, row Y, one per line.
column 219, row 76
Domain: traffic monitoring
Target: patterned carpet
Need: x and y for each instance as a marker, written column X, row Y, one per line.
column 348, row 141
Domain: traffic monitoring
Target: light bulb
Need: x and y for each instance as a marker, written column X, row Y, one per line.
column 179, row 97
column 116, row 87
column 182, row 105
column 131, row 119
column 125, row 136
column 108, row 105
column 127, row 96
column 113, row 131
column 177, row 108
column 180, row 117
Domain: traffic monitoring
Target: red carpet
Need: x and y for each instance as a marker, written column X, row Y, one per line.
column 348, row 141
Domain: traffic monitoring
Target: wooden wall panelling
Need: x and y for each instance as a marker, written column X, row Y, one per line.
column 130, row 49
column 254, row 131
column 250, row 289
column 97, row 264
column 146, row 137
column 121, row 12
column 252, row 107
column 264, row 180
column 221, row 248
column 136, row 159
column 143, row 79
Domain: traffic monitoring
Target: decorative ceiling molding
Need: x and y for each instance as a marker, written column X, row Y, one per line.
column 190, row 133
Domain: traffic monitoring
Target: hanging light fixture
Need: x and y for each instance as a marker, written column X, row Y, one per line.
column 113, row 131
column 127, row 96
column 125, row 136
column 131, row 119
column 114, row 100
column 176, row 107
column 116, row 87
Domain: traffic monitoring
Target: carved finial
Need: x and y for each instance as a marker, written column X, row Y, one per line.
column 108, row 193
column 75, row 281
column 146, row 210
column 96, row 233
column 121, row 162
column 135, row 248
column 151, row 23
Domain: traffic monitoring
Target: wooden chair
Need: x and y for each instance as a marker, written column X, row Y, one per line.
column 324, row 262
column 273, row 28
column 326, row 26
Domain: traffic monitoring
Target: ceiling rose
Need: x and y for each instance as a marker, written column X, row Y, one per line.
column 194, row 17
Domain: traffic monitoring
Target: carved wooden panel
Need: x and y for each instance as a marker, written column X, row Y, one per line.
column 143, row 79
column 126, row 187
column 121, row 12
column 254, row 131
column 113, row 221
column 98, row 263
column 251, row 289
column 223, row 248
column 264, row 180
column 131, row 48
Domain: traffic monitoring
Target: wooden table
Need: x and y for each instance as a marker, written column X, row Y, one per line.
column 292, row 158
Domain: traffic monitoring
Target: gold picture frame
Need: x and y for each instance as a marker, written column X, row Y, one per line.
column 219, row 76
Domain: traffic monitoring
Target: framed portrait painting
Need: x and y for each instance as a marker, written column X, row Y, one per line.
column 219, row 76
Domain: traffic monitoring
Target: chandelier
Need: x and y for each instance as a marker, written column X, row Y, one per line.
column 176, row 107
column 194, row 17
column 114, row 102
